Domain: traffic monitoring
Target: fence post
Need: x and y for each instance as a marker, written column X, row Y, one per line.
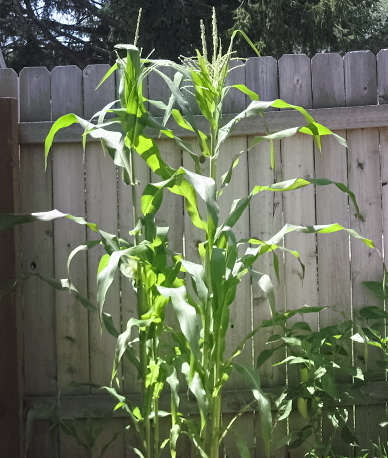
column 10, row 399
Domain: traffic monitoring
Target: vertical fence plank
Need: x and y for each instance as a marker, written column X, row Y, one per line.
column 37, row 246
column 101, row 205
column 102, row 209
column 9, row 83
column 364, row 181
column 332, row 207
column 266, row 218
column 234, row 101
column 10, row 389
column 261, row 76
column 382, row 77
column 40, row 375
column 241, row 309
column 295, row 79
column 35, row 94
column 382, row 80
column 68, row 180
column 327, row 73
column 298, row 207
column 360, row 78
column 68, row 195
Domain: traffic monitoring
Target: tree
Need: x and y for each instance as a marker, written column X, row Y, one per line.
column 49, row 32
column 278, row 27
column 80, row 32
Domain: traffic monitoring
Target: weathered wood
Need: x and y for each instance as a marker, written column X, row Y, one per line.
column 40, row 375
column 334, row 118
column 266, row 219
column 35, row 94
column 360, row 78
column 382, row 79
column 261, row 76
column 295, row 79
column 101, row 207
column 327, row 72
column 9, row 83
column 298, row 208
column 10, row 384
column 364, row 181
column 68, row 192
column 234, row 101
column 240, row 318
column 373, row 393
column 66, row 91
column 332, row 205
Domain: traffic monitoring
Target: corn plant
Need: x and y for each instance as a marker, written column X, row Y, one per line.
column 200, row 293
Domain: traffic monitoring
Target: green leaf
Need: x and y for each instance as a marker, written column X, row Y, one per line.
column 319, row 229
column 151, row 199
column 265, row 283
column 198, row 274
column 264, row 405
column 62, row 122
column 8, row 220
column 225, row 179
column 107, row 273
column 377, row 288
column 124, row 341
column 373, row 313
column 189, row 321
column 285, row 410
column 242, row 88
column 264, row 356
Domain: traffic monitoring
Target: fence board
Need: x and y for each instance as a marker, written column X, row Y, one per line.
column 261, row 76
column 364, row 180
column 266, row 219
column 9, row 83
column 101, row 195
column 10, row 356
column 240, row 309
column 382, row 72
column 72, row 334
column 298, row 207
column 364, row 166
column 333, row 251
column 35, row 94
column 360, row 78
column 37, row 243
column 295, row 79
column 327, row 73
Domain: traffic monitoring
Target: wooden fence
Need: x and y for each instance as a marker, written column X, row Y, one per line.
column 58, row 342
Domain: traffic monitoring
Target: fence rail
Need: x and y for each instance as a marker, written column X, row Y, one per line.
column 60, row 342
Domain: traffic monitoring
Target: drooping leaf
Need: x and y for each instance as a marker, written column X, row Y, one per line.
column 186, row 314
column 264, row 404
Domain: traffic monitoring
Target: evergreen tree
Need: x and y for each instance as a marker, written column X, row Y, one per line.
column 279, row 27
column 80, row 32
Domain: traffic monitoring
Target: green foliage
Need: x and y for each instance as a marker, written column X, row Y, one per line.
column 200, row 292
column 82, row 32
column 317, row 361
column 284, row 27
